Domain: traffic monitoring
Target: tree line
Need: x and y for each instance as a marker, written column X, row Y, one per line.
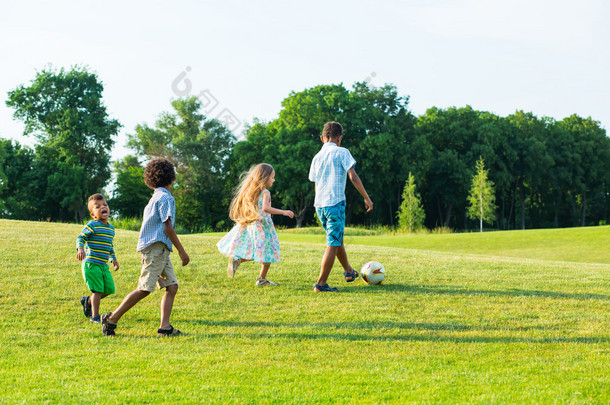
column 546, row 173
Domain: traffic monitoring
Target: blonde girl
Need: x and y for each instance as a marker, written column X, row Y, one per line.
column 253, row 237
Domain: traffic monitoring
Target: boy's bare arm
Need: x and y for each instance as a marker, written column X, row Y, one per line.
column 171, row 234
column 355, row 179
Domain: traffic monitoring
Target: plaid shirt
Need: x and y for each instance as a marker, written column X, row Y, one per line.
column 160, row 208
column 329, row 171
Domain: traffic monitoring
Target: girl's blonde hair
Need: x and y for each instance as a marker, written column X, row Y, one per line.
column 244, row 207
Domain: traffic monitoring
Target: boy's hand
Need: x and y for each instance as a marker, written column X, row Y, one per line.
column 289, row 213
column 115, row 264
column 368, row 204
column 184, row 257
column 80, row 253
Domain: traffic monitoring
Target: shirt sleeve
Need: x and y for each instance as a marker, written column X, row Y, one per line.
column 83, row 237
column 112, row 253
column 348, row 160
column 164, row 209
column 312, row 171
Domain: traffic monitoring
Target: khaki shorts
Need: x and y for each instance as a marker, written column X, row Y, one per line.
column 157, row 268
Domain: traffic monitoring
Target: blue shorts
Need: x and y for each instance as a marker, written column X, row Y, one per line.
column 333, row 221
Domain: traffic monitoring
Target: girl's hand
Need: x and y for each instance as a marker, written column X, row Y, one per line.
column 80, row 254
column 289, row 213
column 115, row 264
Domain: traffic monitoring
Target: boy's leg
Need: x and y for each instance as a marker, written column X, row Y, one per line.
column 333, row 221
column 342, row 256
column 348, row 271
column 95, row 303
column 130, row 300
column 167, row 303
column 328, row 260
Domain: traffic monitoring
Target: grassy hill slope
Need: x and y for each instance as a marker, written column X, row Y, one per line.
column 443, row 328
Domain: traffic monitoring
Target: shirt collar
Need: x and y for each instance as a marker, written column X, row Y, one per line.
column 329, row 144
column 162, row 190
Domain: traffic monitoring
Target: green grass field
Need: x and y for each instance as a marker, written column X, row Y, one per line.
column 503, row 317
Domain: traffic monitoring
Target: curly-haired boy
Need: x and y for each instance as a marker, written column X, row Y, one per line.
column 157, row 236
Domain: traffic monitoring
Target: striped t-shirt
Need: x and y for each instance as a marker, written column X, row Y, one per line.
column 96, row 238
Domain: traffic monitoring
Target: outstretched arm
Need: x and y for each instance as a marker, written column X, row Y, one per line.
column 355, row 179
column 274, row 211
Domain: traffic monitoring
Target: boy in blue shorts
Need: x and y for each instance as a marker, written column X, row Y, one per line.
column 97, row 238
column 157, row 236
column 329, row 171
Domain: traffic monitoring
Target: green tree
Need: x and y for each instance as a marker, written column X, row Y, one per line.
column 532, row 159
column 378, row 132
column 130, row 194
column 482, row 196
column 64, row 111
column 411, row 214
column 24, row 183
column 453, row 137
column 591, row 161
column 199, row 148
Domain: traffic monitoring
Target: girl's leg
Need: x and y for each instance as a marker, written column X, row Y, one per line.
column 262, row 281
column 264, row 270
column 233, row 264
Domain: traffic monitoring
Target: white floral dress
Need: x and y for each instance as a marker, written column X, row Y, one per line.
column 256, row 241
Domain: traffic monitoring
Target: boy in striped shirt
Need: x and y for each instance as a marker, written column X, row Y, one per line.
column 96, row 238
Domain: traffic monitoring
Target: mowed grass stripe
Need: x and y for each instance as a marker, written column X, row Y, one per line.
column 583, row 245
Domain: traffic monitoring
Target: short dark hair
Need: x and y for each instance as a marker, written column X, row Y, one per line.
column 332, row 130
column 159, row 172
column 94, row 197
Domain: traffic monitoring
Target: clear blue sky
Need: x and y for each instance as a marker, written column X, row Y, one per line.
column 548, row 57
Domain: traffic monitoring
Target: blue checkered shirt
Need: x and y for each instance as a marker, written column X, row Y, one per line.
column 329, row 171
column 160, row 208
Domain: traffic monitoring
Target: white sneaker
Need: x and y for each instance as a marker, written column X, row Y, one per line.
column 263, row 282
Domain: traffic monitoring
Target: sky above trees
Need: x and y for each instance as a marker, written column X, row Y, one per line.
column 243, row 58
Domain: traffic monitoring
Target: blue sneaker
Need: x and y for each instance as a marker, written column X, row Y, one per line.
column 95, row 319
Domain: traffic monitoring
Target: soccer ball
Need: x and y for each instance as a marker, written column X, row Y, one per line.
column 373, row 273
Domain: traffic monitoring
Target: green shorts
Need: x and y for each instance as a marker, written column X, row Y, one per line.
column 98, row 278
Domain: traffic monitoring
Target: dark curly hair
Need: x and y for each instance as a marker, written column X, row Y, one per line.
column 159, row 172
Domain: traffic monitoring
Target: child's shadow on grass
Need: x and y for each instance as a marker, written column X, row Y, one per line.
column 379, row 327
column 456, row 290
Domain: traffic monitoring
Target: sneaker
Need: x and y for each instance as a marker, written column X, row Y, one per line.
column 84, row 301
column 108, row 327
column 95, row 319
column 263, row 282
column 232, row 266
